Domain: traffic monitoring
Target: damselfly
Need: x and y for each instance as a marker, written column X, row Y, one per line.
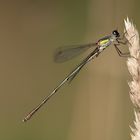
column 64, row 54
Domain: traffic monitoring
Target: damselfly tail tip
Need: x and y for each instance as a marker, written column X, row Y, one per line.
column 23, row 120
column 26, row 118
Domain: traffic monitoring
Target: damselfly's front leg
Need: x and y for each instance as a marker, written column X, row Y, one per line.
column 121, row 40
column 121, row 54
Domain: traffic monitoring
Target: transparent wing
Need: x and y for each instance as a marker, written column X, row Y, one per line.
column 63, row 54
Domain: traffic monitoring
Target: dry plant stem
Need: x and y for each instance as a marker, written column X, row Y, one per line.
column 133, row 64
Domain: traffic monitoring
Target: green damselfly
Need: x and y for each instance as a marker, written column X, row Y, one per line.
column 64, row 54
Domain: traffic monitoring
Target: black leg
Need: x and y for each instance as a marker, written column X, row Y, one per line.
column 122, row 38
column 119, row 40
column 122, row 42
column 121, row 54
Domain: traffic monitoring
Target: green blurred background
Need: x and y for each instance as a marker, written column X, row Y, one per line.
column 96, row 104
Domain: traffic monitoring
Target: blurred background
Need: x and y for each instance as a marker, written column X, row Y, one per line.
column 96, row 105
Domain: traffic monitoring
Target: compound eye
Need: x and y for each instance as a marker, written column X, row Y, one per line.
column 114, row 32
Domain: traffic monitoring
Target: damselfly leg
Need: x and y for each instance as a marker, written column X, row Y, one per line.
column 121, row 54
column 120, row 41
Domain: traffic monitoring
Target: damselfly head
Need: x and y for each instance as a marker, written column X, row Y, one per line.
column 116, row 33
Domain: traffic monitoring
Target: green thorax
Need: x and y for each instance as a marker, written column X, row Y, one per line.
column 103, row 42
